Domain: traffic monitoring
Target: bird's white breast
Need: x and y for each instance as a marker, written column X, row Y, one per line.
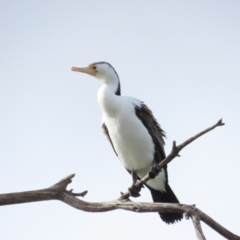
column 130, row 138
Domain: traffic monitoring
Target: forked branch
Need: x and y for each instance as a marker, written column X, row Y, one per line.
column 59, row 192
column 174, row 153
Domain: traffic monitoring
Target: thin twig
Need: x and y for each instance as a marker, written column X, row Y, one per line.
column 174, row 153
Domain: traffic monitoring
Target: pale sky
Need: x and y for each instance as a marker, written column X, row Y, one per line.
column 180, row 57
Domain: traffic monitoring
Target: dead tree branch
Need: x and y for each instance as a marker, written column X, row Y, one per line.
column 59, row 192
column 196, row 222
column 174, row 153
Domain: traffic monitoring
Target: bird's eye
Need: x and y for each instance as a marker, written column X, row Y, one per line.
column 94, row 67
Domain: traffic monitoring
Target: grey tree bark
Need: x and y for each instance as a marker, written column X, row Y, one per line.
column 59, row 192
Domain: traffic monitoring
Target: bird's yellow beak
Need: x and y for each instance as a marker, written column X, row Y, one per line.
column 89, row 70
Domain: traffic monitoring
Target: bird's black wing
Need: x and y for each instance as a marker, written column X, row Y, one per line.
column 157, row 134
column 105, row 131
column 154, row 129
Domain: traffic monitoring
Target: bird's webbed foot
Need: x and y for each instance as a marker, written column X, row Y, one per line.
column 155, row 170
column 134, row 190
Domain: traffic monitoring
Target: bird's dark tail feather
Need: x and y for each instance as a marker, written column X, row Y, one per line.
column 166, row 197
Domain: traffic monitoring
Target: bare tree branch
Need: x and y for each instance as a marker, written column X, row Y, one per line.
column 174, row 153
column 59, row 192
column 196, row 222
column 198, row 229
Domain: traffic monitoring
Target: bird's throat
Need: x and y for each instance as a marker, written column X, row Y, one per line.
column 108, row 100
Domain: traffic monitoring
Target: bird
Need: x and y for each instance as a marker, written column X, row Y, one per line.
column 135, row 135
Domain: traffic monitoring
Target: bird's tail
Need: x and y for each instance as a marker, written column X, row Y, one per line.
column 166, row 197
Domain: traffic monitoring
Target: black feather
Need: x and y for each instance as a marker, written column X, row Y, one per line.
column 166, row 197
column 157, row 134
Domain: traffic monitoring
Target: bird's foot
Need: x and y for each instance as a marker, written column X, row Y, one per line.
column 134, row 190
column 154, row 171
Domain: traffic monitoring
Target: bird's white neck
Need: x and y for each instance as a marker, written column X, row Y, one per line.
column 108, row 100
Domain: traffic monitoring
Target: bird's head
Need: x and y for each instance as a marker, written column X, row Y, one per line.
column 103, row 71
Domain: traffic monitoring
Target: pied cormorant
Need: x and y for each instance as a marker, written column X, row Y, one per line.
column 134, row 133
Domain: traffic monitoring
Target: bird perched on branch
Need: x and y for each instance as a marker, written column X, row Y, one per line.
column 135, row 135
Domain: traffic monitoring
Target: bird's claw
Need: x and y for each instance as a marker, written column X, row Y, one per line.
column 134, row 190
